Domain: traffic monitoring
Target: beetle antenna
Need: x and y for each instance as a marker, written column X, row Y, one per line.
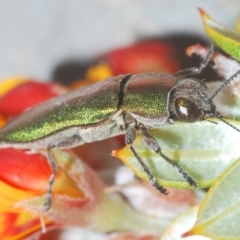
column 229, row 124
column 225, row 84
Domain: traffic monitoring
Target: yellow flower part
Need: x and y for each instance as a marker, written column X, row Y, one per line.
column 9, row 83
column 99, row 72
column 94, row 74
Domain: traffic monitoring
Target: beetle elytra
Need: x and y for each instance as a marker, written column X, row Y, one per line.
column 119, row 105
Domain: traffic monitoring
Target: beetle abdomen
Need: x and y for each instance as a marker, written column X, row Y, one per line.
column 83, row 107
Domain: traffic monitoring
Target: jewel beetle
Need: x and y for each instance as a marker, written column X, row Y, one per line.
column 118, row 105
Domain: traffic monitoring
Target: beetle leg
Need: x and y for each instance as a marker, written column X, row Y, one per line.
column 152, row 144
column 129, row 138
column 54, row 166
column 197, row 70
column 66, row 143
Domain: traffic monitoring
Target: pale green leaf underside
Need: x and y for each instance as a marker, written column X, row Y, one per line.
column 203, row 149
column 219, row 215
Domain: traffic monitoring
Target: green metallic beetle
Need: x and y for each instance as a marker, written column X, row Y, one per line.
column 118, row 105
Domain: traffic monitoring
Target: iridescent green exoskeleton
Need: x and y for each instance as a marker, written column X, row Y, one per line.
column 118, row 105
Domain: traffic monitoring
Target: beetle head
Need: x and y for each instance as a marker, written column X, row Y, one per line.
column 189, row 101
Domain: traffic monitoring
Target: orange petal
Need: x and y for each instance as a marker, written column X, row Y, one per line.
column 19, row 226
column 29, row 173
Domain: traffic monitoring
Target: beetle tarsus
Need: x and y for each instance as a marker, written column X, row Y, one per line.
column 191, row 181
column 161, row 189
column 48, row 198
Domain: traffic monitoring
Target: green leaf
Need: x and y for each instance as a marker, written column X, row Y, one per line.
column 219, row 214
column 178, row 228
column 226, row 39
column 203, row 149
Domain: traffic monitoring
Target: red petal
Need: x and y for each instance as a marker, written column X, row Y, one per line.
column 143, row 57
column 26, row 95
column 22, row 170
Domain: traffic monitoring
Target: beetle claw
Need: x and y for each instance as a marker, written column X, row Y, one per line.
column 161, row 189
column 191, row 182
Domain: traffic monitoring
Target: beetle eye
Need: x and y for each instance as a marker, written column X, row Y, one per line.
column 187, row 110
